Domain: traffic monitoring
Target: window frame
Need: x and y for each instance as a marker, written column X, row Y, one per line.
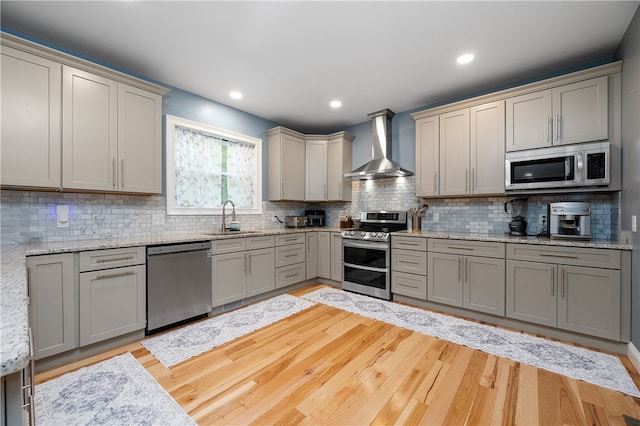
column 170, row 125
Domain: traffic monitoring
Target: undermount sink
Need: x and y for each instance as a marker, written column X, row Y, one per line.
column 229, row 233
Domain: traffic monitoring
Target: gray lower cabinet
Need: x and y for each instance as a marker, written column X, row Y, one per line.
column 312, row 255
column 241, row 267
column 112, row 299
column 260, row 271
column 409, row 266
column 336, row 256
column 574, row 289
column 575, row 298
column 17, row 397
column 290, row 259
column 324, row 254
column 458, row 278
column 52, row 310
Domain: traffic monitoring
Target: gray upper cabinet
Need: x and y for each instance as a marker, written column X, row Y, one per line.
column 31, row 120
column 286, row 164
column 339, row 162
column 53, row 308
column 71, row 124
column 112, row 135
column 572, row 113
column 457, row 152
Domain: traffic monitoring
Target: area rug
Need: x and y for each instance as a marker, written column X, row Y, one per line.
column 579, row 363
column 181, row 344
column 118, row 391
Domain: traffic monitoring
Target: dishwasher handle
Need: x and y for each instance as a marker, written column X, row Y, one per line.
column 177, row 248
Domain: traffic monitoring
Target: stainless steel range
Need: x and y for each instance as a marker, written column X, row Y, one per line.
column 366, row 253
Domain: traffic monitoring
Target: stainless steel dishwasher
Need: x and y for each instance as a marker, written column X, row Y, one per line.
column 178, row 283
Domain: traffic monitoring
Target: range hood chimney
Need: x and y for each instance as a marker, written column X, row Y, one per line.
column 381, row 165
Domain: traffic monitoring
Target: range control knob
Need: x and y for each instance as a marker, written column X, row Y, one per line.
column 352, row 233
column 362, row 234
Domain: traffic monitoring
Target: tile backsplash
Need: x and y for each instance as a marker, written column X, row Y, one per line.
column 31, row 216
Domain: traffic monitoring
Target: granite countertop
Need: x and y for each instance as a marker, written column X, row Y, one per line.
column 505, row 238
column 14, row 308
column 14, row 312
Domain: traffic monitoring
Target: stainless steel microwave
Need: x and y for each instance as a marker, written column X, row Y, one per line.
column 558, row 167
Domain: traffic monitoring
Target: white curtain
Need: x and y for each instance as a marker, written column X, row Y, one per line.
column 198, row 169
column 241, row 169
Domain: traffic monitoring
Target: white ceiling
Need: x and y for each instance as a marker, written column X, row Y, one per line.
column 290, row 59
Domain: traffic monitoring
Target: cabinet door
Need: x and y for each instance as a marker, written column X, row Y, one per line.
column 316, row 170
column 292, row 163
column 52, row 310
column 89, row 131
column 580, row 111
column 336, row 256
column 444, row 282
column 112, row 303
column 139, row 140
column 31, row 116
column 229, row 283
column 531, row 292
column 487, row 148
column 324, row 255
column 484, row 285
column 427, row 156
column 261, row 266
column 312, row 255
column 454, row 153
column 589, row 301
column 529, row 121
column 339, row 162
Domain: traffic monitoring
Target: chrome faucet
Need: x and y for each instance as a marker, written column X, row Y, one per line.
column 224, row 214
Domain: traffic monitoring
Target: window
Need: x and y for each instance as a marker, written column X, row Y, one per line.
column 207, row 166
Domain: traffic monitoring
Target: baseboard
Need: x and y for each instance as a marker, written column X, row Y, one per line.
column 634, row 356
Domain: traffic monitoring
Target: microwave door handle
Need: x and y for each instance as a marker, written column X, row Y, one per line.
column 579, row 168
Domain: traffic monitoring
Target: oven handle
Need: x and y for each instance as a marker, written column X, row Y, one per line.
column 367, row 245
column 366, row 268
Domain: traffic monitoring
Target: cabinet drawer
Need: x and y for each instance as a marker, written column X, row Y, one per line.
column 474, row 248
column 412, row 262
column 409, row 285
column 578, row 256
column 288, row 275
column 111, row 258
column 288, row 255
column 288, row 239
column 409, row 243
column 228, row 246
column 255, row 243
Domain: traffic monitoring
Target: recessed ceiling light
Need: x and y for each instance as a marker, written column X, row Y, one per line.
column 335, row 104
column 465, row 59
column 236, row 95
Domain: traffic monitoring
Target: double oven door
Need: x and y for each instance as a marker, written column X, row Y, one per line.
column 366, row 267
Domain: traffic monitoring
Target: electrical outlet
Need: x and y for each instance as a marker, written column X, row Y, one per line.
column 633, row 223
column 436, row 217
column 62, row 216
column 542, row 219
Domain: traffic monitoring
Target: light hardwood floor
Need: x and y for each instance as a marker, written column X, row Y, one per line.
column 327, row 366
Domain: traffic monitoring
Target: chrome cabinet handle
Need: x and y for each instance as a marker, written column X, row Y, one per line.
column 466, row 180
column 567, row 256
column 561, row 276
column 435, row 183
column 118, row 275
column 553, row 281
column 115, row 259
column 557, row 127
column 113, row 170
column 473, row 179
column 459, row 270
column 466, row 270
column 28, row 286
column 460, row 248
column 122, row 173
column 549, row 120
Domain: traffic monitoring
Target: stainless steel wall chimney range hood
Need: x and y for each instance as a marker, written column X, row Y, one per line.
column 381, row 165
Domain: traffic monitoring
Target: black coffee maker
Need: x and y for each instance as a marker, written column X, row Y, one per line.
column 517, row 208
